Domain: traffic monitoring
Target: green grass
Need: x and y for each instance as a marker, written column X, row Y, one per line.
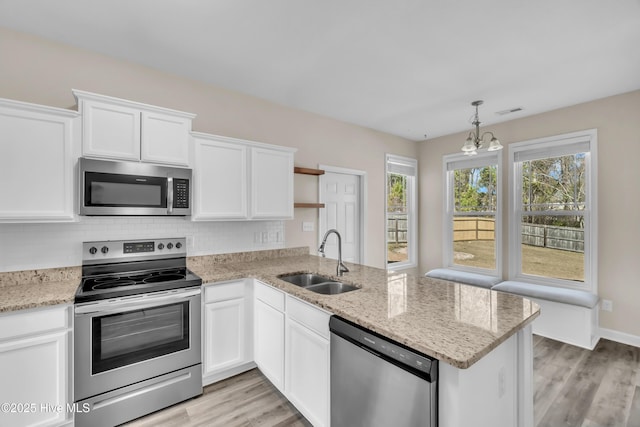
column 536, row 260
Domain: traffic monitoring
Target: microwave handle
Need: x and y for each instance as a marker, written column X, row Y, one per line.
column 170, row 195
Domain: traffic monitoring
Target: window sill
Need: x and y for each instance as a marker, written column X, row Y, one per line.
column 400, row 266
column 558, row 283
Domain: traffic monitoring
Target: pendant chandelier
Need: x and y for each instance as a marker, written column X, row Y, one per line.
column 475, row 141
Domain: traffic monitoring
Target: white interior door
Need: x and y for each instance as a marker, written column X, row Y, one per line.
column 341, row 194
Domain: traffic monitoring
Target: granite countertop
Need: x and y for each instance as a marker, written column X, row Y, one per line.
column 37, row 288
column 452, row 322
column 455, row 323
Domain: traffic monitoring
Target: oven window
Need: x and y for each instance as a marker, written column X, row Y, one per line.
column 125, row 190
column 134, row 336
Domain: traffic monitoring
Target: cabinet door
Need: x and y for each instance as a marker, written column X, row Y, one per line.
column 35, row 375
column 269, row 342
column 307, row 372
column 220, row 180
column 110, row 131
column 224, row 339
column 36, row 163
column 271, row 183
column 165, row 138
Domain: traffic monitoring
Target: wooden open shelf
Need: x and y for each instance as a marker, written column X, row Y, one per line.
column 308, row 205
column 308, row 171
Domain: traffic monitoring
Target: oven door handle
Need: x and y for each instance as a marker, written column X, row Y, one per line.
column 108, row 307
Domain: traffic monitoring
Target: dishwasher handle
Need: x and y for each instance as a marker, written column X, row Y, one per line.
column 402, row 356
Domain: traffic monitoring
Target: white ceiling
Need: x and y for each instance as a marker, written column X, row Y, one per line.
column 406, row 67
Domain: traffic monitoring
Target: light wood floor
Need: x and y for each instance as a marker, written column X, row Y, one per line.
column 247, row 400
column 573, row 387
column 582, row 388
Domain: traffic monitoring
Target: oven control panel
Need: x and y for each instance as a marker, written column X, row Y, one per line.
column 137, row 247
column 112, row 250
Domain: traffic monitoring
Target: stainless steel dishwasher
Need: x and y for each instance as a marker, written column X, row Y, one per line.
column 378, row 382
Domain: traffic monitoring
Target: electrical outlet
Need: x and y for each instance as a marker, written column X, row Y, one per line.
column 307, row 226
column 606, row 305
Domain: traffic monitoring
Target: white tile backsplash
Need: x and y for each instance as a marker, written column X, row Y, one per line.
column 35, row 246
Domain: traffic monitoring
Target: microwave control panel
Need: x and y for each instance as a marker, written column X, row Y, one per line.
column 180, row 193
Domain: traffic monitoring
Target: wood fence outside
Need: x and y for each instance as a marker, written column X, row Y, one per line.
column 477, row 228
column 549, row 236
column 396, row 228
column 473, row 228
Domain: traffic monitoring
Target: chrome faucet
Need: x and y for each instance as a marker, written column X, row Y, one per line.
column 340, row 269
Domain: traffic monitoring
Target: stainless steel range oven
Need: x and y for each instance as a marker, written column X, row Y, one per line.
column 137, row 330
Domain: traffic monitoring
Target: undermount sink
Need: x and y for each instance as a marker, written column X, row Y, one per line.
column 305, row 279
column 317, row 283
column 331, row 288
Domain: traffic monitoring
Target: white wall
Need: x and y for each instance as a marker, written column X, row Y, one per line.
column 617, row 119
column 44, row 72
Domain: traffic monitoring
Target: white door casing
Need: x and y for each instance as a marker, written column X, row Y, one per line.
column 342, row 191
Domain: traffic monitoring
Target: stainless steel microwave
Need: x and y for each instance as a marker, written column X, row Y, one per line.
column 131, row 188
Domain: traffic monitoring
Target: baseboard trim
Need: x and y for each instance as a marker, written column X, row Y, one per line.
column 621, row 337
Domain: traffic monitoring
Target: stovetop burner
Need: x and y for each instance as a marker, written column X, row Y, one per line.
column 114, row 281
column 124, row 268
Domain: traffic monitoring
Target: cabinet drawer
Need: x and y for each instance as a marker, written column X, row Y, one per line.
column 310, row 316
column 35, row 321
column 269, row 295
column 223, row 291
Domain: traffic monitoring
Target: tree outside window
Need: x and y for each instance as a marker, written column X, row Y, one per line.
column 552, row 218
column 553, row 225
column 474, row 224
column 472, row 213
column 401, row 214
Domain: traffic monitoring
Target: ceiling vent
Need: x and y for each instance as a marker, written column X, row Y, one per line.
column 509, row 111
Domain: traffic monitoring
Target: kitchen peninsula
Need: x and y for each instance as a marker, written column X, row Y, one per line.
column 481, row 337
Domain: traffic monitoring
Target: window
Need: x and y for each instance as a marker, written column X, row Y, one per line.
column 402, row 212
column 552, row 217
column 472, row 212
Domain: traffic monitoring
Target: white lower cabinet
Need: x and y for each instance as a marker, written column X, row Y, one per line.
column 307, row 360
column 35, row 367
column 290, row 342
column 227, row 332
column 269, row 333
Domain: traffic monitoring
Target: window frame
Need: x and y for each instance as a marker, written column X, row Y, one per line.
column 555, row 145
column 484, row 158
column 412, row 220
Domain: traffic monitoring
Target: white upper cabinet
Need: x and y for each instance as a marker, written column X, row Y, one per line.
column 238, row 179
column 115, row 128
column 36, row 162
column 220, row 181
column 271, row 183
column 160, row 135
column 110, row 131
